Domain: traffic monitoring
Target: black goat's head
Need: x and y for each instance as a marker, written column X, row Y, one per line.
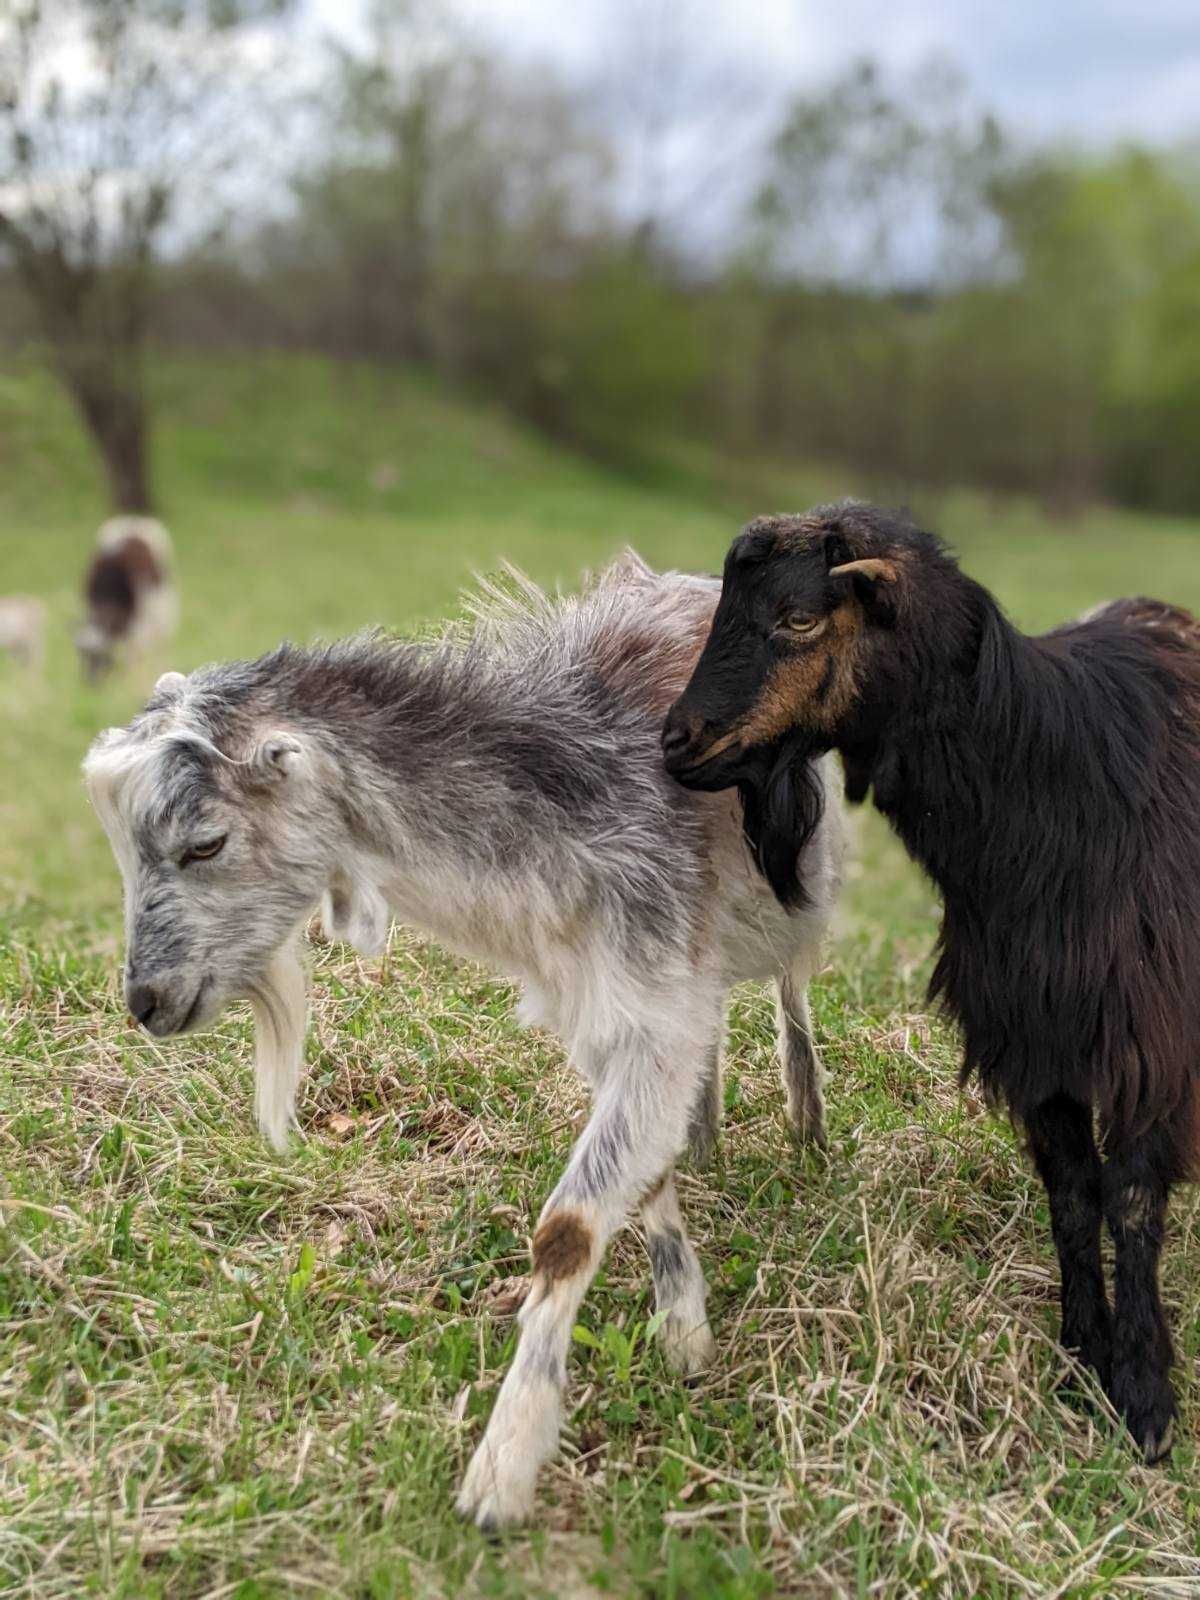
column 800, row 652
column 804, row 598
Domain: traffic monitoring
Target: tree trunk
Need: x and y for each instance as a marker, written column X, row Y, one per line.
column 115, row 415
column 95, row 322
column 117, row 424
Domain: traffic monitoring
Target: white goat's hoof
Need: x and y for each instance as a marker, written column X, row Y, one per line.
column 688, row 1347
column 496, row 1492
column 534, row 1009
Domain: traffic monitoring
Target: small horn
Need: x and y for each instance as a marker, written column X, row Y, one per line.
column 869, row 567
column 170, row 684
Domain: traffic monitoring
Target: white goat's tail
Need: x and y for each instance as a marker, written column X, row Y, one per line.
column 280, row 1005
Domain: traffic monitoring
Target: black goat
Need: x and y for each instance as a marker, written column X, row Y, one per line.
column 1051, row 788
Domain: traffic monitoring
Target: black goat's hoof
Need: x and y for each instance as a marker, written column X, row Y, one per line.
column 1157, row 1447
column 1148, row 1406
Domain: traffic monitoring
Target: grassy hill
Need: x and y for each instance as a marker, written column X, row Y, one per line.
column 222, row 1373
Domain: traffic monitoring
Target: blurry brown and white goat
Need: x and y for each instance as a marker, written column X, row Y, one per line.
column 132, row 605
column 23, row 630
column 505, row 793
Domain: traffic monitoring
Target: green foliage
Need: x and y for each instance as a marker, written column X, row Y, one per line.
column 911, row 297
column 1033, row 355
column 906, row 291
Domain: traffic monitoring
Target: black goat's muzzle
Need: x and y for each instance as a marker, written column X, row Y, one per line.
column 698, row 756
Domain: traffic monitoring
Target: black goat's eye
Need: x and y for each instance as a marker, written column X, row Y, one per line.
column 801, row 623
column 203, row 852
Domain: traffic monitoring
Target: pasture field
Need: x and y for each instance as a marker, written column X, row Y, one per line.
column 228, row 1374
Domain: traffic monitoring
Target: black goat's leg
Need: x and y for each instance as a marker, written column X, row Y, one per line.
column 1136, row 1192
column 1063, row 1147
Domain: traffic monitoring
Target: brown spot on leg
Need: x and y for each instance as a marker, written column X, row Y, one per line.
column 562, row 1246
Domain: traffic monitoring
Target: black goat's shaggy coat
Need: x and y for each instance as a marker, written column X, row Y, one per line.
column 1050, row 787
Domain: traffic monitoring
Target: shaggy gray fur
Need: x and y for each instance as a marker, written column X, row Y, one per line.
column 504, row 791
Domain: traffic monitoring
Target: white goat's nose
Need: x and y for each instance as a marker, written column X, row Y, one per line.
column 142, row 1000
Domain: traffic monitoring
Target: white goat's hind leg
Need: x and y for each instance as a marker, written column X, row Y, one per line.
column 679, row 1288
column 279, row 1001
column 636, row 1133
column 704, row 1125
column 803, row 1074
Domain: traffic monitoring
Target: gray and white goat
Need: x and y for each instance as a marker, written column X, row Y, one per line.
column 507, row 794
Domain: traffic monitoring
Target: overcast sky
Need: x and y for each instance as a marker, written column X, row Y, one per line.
column 1089, row 70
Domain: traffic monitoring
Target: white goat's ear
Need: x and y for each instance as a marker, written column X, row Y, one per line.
column 275, row 756
column 170, row 684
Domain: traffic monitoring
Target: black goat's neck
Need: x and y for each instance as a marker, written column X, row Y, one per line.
column 955, row 760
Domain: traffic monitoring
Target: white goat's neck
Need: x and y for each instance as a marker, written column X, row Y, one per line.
column 429, row 797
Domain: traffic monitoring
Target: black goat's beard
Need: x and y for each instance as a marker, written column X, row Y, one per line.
column 782, row 803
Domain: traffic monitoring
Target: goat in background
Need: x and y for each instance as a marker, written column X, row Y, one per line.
column 132, row 605
column 23, row 630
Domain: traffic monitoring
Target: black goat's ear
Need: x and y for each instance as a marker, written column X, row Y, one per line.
column 875, row 584
column 837, row 551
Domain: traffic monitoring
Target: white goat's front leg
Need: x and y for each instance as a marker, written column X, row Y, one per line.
column 636, row 1133
column 803, row 1074
column 679, row 1288
column 279, row 1000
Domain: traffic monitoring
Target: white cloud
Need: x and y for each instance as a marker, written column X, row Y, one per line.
column 1084, row 69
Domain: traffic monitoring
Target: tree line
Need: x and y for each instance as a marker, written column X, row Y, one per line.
column 874, row 273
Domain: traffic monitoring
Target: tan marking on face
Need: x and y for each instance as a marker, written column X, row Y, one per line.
column 562, row 1246
column 717, row 746
column 791, row 691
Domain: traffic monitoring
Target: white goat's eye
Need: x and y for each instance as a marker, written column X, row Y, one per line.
column 203, row 852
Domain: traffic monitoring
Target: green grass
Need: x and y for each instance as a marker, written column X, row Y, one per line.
column 227, row 1374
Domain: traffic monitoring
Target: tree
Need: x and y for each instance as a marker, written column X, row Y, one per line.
column 454, row 202
column 688, row 121
column 882, row 185
column 118, row 119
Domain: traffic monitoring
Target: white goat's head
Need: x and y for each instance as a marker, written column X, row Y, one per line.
column 224, row 856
